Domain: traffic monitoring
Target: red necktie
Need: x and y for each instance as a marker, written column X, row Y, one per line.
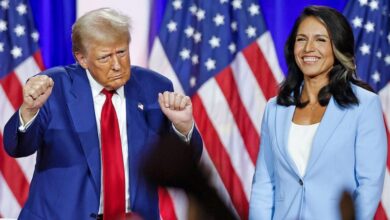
column 112, row 160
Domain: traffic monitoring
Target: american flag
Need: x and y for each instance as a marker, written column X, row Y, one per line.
column 20, row 58
column 370, row 21
column 221, row 54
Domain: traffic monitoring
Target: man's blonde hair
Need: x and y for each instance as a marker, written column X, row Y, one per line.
column 104, row 24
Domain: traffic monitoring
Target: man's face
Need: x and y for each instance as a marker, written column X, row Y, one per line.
column 108, row 62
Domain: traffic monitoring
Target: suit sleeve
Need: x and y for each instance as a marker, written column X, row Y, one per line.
column 371, row 152
column 21, row 144
column 261, row 203
column 196, row 139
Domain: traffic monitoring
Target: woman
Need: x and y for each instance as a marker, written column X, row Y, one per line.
column 324, row 133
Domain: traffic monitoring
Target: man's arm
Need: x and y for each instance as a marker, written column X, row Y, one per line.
column 178, row 109
column 20, row 143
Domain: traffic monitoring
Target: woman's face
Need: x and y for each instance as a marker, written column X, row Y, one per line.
column 313, row 49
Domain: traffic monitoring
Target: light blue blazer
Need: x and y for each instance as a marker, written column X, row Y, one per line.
column 348, row 153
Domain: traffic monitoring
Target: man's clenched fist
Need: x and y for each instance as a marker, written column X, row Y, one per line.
column 35, row 93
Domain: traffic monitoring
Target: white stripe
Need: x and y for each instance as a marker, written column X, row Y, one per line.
column 27, row 69
column 180, row 203
column 216, row 180
column 6, row 109
column 268, row 49
column 219, row 113
column 384, row 95
column 386, row 194
column 9, row 206
column 27, row 165
column 159, row 62
column 249, row 90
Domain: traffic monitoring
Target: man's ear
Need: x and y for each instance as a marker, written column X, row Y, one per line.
column 81, row 59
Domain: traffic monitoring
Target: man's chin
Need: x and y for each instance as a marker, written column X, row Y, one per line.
column 117, row 84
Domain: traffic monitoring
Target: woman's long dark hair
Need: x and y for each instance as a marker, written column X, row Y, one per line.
column 343, row 72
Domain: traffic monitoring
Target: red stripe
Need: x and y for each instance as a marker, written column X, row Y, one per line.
column 261, row 70
column 13, row 175
column 38, row 59
column 388, row 145
column 251, row 138
column 13, row 89
column 167, row 210
column 380, row 213
column 220, row 158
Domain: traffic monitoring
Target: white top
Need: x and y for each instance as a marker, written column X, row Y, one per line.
column 299, row 144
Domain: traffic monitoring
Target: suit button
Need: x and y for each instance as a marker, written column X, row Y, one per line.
column 300, row 182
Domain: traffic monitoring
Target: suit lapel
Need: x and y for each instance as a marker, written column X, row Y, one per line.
column 283, row 120
column 81, row 109
column 136, row 132
column 331, row 119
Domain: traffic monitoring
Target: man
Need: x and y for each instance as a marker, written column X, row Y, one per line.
column 91, row 122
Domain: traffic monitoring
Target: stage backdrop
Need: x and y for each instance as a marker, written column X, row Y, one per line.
column 226, row 54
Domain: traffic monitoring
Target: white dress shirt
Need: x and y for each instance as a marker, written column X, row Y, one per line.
column 119, row 102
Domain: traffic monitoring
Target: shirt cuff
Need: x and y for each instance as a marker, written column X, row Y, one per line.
column 185, row 138
column 23, row 127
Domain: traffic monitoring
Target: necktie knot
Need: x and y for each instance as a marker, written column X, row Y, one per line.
column 108, row 93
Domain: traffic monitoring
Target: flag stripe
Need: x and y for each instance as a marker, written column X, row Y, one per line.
column 260, row 68
column 13, row 175
column 386, row 194
column 5, row 108
column 216, row 180
column 27, row 165
column 167, row 210
column 267, row 48
column 180, row 202
column 249, row 90
column 388, row 142
column 384, row 94
column 9, row 207
column 247, row 130
column 38, row 60
column 26, row 69
column 160, row 63
column 13, row 89
column 219, row 114
column 220, row 158
column 380, row 213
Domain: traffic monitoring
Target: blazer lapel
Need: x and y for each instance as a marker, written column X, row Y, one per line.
column 81, row 109
column 331, row 119
column 283, row 120
column 136, row 133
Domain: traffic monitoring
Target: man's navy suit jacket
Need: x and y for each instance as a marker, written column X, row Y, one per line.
column 67, row 180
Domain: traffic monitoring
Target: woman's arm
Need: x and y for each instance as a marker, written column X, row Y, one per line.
column 371, row 154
